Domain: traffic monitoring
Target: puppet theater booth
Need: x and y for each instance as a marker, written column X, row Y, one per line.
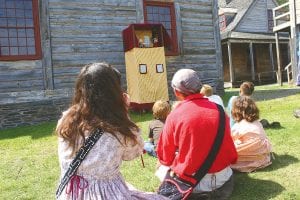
column 146, row 72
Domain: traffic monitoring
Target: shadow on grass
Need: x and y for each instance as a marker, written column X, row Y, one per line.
column 141, row 117
column 260, row 95
column 247, row 188
column 35, row 131
column 280, row 161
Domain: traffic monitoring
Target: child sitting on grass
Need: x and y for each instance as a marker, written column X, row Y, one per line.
column 160, row 109
column 251, row 142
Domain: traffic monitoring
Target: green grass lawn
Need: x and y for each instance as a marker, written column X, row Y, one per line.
column 29, row 163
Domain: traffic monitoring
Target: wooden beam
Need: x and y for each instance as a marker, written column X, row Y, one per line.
column 272, row 59
column 293, row 38
column 46, row 45
column 236, row 40
column 252, row 62
column 218, row 46
column 231, row 70
column 279, row 80
column 139, row 12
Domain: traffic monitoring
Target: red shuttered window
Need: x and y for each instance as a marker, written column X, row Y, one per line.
column 163, row 13
column 19, row 30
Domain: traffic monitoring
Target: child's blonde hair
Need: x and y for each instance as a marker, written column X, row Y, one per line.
column 206, row 90
column 161, row 109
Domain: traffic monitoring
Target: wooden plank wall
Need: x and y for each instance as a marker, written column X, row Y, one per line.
column 198, row 42
column 20, row 76
column 256, row 18
column 90, row 31
column 87, row 31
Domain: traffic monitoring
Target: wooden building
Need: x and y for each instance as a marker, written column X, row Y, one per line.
column 248, row 42
column 287, row 20
column 44, row 43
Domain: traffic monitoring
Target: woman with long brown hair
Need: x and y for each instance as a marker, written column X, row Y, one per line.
column 99, row 103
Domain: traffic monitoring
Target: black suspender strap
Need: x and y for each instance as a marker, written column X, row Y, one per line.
column 202, row 171
column 82, row 153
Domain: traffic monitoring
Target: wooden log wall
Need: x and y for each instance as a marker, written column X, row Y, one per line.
column 77, row 32
column 90, row 31
column 87, row 31
column 20, row 76
column 200, row 48
column 256, row 18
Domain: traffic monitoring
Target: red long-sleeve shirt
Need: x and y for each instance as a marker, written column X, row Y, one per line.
column 191, row 129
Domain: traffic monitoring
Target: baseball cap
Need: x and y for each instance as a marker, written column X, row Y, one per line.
column 186, row 81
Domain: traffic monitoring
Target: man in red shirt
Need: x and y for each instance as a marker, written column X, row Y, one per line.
column 189, row 133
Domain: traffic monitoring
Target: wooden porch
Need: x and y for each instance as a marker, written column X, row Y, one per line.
column 252, row 57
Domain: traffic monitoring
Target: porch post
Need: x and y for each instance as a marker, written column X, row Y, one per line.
column 231, row 71
column 279, row 80
column 252, row 62
column 272, row 59
column 293, row 6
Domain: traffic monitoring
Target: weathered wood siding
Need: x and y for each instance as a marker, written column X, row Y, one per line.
column 77, row 32
column 21, row 76
column 74, row 33
column 256, row 18
column 200, row 42
column 87, row 31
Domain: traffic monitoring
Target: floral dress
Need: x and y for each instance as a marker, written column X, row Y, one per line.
column 98, row 176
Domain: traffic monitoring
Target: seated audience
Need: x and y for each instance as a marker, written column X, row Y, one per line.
column 160, row 109
column 249, row 137
column 207, row 91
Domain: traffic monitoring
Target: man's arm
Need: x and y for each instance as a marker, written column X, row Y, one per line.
column 166, row 145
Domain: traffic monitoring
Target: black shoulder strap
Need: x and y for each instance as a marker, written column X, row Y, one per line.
column 215, row 147
column 82, row 153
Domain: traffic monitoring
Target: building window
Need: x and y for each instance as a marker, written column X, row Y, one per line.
column 163, row 13
column 19, row 30
column 270, row 20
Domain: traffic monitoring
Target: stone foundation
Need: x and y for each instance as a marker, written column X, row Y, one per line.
column 18, row 110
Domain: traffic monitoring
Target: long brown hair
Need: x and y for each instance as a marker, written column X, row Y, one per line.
column 244, row 108
column 97, row 103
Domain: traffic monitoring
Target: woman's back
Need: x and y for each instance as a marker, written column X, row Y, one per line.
column 98, row 176
column 98, row 103
column 252, row 145
column 103, row 160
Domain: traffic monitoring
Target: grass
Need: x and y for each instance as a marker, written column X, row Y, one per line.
column 29, row 164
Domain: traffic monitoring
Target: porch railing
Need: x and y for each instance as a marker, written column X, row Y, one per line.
column 281, row 17
column 288, row 69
